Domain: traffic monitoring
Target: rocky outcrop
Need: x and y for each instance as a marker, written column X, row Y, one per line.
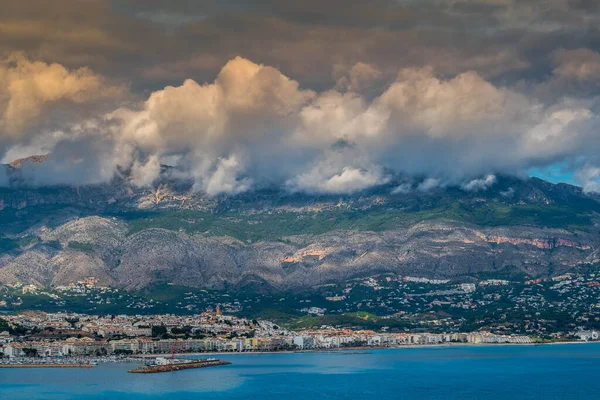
column 541, row 243
column 433, row 249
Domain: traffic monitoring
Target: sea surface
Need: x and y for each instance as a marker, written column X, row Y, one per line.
column 453, row 372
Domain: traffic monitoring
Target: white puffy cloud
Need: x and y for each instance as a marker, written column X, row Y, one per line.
column 479, row 184
column 404, row 188
column 32, row 87
column 248, row 104
column 342, row 169
column 333, row 116
column 429, row 184
column 85, row 160
column 224, row 177
column 466, row 105
column 321, row 179
column 508, row 193
column 254, row 126
column 42, row 144
column 589, row 177
column 453, row 129
column 145, row 173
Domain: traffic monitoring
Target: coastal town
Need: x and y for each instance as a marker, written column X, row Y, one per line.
column 553, row 308
column 64, row 335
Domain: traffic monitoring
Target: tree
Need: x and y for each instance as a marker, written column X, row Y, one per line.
column 30, row 352
column 185, row 330
column 160, row 330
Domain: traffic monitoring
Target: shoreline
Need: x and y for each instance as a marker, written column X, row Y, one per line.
column 137, row 358
column 361, row 349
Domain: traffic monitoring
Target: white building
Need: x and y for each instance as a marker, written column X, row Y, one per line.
column 587, row 335
column 304, row 342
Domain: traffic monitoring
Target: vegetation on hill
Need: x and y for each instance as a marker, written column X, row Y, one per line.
column 272, row 215
column 278, row 225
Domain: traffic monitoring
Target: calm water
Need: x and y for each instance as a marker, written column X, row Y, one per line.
column 494, row 372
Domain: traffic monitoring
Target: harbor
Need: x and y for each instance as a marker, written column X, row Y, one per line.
column 63, row 362
column 68, row 365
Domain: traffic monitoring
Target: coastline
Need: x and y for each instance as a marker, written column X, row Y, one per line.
column 363, row 349
column 141, row 358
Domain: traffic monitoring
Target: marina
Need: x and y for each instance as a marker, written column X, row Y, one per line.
column 47, row 365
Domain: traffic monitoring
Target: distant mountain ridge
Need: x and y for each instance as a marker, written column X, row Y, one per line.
column 272, row 240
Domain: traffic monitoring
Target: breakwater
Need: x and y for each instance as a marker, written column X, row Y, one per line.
column 150, row 369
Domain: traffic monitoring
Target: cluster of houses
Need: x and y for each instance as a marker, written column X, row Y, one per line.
column 62, row 335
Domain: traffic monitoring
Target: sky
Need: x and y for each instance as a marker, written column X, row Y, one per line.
column 333, row 96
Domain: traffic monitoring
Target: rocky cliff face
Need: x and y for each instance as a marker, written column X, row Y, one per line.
column 100, row 247
column 268, row 240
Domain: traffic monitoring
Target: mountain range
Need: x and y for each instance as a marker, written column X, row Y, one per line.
column 270, row 239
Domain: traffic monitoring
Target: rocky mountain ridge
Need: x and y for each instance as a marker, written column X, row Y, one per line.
column 268, row 240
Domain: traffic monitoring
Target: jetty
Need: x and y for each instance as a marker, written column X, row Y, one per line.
column 178, row 365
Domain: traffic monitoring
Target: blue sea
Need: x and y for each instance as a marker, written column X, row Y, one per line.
column 454, row 372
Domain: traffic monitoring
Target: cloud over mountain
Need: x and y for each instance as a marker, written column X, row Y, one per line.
column 330, row 97
column 254, row 126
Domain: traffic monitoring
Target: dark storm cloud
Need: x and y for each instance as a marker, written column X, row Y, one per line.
column 150, row 43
